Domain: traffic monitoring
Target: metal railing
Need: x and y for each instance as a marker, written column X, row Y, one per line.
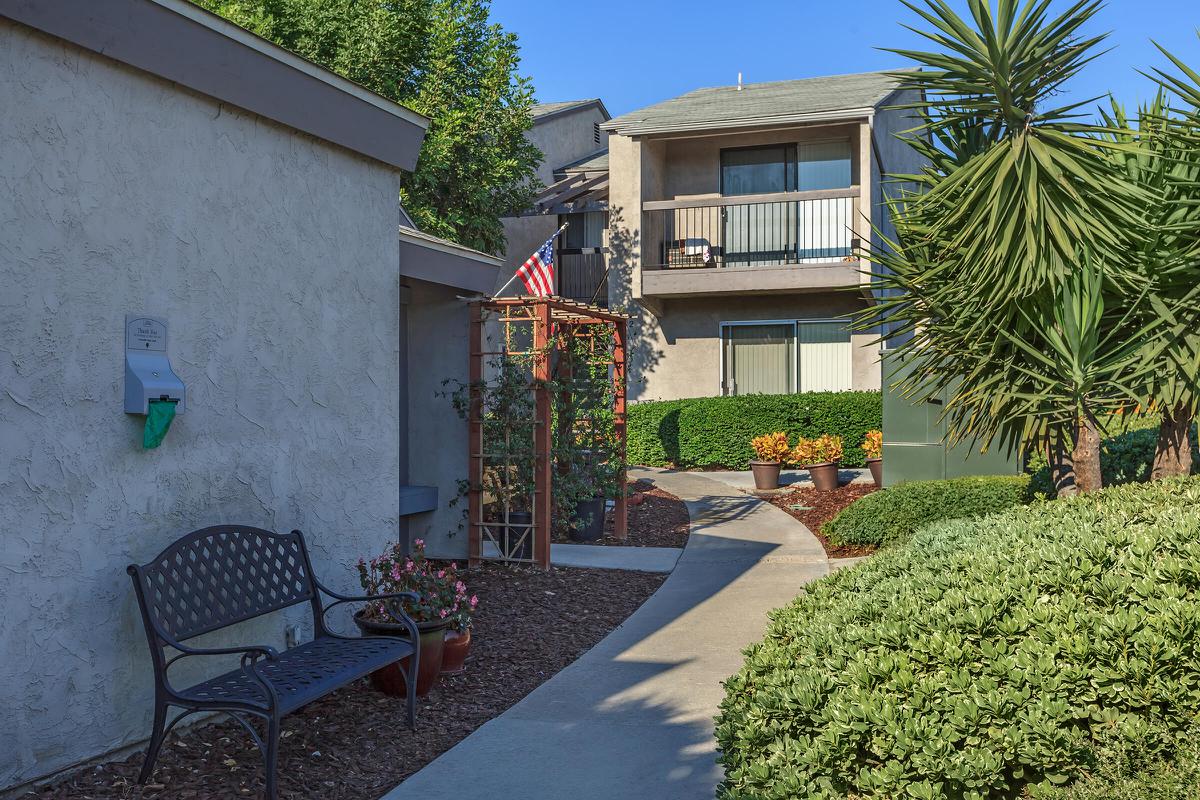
column 752, row 230
column 582, row 276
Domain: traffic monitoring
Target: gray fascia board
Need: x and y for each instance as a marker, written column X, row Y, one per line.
column 447, row 264
column 183, row 43
column 598, row 103
column 745, row 122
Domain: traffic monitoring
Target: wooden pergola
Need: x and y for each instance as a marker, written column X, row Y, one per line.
column 547, row 318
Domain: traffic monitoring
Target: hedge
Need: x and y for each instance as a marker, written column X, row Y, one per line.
column 1124, row 458
column 895, row 514
column 1139, row 768
column 716, row 431
column 982, row 658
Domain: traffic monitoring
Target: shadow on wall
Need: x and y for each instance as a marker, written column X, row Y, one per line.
column 623, row 249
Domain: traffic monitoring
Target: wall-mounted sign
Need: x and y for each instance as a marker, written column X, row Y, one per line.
column 145, row 333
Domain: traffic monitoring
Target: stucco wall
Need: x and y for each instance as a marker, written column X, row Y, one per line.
column 437, row 353
column 273, row 257
column 566, row 138
column 678, row 352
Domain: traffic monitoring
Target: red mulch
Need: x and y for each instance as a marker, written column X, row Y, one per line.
column 822, row 507
column 354, row 744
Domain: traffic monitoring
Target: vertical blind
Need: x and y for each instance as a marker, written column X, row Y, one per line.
column 779, row 358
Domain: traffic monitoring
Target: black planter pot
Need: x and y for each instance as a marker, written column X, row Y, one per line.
column 590, row 524
column 509, row 534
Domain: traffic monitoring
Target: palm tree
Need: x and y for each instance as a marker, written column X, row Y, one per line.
column 1007, row 279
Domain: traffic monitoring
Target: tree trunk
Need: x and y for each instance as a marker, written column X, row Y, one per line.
column 1062, row 471
column 1173, row 454
column 1086, row 456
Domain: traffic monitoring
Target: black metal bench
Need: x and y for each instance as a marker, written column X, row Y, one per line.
column 220, row 576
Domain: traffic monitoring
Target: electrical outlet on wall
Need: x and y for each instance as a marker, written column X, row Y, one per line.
column 291, row 636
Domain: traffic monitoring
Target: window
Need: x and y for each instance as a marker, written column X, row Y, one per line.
column 782, row 357
column 823, row 165
column 758, row 170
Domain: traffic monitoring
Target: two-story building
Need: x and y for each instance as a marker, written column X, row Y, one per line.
column 736, row 219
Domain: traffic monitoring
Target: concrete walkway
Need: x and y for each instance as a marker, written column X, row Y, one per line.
column 633, row 717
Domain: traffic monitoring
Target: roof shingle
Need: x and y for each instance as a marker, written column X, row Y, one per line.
column 756, row 103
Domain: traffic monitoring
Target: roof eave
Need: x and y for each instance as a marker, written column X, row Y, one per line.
column 778, row 120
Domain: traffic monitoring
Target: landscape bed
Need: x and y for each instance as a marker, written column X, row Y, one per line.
column 354, row 744
column 818, row 507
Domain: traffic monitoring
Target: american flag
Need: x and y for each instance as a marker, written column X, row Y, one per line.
column 538, row 272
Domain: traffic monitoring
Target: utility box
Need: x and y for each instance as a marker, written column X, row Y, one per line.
column 148, row 373
column 914, row 441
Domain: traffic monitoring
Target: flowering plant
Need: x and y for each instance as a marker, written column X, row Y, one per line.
column 771, row 447
column 443, row 595
column 873, row 445
column 820, row 450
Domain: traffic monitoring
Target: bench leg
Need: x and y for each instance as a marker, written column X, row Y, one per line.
column 272, row 755
column 156, row 740
column 410, row 683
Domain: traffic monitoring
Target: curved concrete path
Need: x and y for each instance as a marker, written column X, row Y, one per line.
column 633, row 717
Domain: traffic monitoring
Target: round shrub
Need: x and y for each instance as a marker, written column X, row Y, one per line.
column 894, row 514
column 983, row 657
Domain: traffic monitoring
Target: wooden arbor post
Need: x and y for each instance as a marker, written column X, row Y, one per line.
column 621, row 511
column 475, row 435
column 542, row 437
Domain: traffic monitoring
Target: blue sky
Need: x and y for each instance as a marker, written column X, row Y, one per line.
column 632, row 53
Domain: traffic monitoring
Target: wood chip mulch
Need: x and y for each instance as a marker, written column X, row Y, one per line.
column 354, row 744
column 819, row 508
column 660, row 520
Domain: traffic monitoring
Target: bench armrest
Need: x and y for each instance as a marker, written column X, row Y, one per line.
column 393, row 610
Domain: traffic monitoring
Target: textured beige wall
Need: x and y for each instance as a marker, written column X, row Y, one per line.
column 273, row 256
column 678, row 353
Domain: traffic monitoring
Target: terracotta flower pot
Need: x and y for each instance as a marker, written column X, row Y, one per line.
column 766, row 474
column 454, row 651
column 824, row 476
column 390, row 679
column 876, row 467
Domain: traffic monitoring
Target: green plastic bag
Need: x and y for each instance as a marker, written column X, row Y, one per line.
column 158, row 422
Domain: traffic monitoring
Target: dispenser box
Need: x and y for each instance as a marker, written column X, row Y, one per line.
column 148, row 373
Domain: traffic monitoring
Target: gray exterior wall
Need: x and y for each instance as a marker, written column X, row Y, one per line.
column 274, row 257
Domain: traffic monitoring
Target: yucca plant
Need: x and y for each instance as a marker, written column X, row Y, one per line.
column 1019, row 199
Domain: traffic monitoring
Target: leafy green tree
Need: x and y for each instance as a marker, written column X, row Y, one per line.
column 1008, row 278
column 444, row 59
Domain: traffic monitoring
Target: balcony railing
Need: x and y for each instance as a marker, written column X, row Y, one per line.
column 751, row 230
column 582, row 276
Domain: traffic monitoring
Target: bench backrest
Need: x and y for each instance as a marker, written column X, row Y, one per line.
column 219, row 576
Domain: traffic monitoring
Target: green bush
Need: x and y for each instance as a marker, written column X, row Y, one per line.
column 716, row 431
column 895, row 514
column 1133, row 769
column 1124, row 458
column 982, row 658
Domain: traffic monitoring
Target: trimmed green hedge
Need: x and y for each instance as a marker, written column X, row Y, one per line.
column 983, row 657
column 1124, row 458
column 894, row 514
column 1139, row 768
column 716, row 431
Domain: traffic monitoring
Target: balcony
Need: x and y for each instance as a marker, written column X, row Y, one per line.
column 582, row 275
column 798, row 241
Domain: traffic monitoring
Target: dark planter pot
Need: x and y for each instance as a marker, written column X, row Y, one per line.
column 390, row 679
column 508, row 535
column 876, row 467
column 766, row 474
column 824, row 476
column 590, row 525
column 454, row 651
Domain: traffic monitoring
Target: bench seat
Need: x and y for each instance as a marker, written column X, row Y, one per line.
column 304, row 673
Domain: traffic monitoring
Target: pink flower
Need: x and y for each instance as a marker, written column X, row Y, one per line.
column 460, row 587
column 396, row 573
column 444, row 613
column 453, row 565
column 441, row 573
column 418, row 542
column 474, row 600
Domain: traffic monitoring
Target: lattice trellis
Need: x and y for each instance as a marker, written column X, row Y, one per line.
column 527, row 328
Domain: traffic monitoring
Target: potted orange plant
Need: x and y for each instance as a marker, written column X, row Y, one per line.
column 770, row 451
column 873, row 447
column 820, row 456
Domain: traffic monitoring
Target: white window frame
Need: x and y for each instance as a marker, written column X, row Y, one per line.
column 795, row 323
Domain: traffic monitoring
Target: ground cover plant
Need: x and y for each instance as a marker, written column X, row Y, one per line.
column 894, row 514
column 981, row 658
column 715, row 432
